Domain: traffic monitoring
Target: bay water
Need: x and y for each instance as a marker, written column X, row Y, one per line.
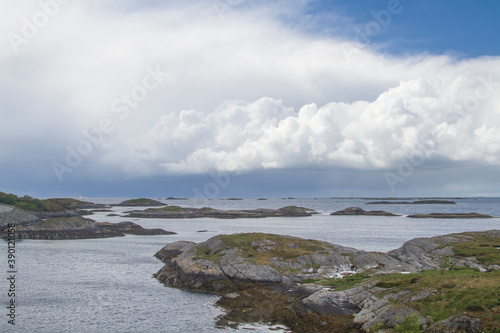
column 106, row 285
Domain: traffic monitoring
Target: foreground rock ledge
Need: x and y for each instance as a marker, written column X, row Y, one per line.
column 259, row 277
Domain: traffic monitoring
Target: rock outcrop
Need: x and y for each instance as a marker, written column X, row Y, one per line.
column 141, row 202
column 31, row 226
column 417, row 202
column 177, row 212
column 258, row 266
column 359, row 211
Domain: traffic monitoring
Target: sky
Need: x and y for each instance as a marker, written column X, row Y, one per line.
column 250, row 98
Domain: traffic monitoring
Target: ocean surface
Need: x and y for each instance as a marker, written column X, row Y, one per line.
column 106, row 285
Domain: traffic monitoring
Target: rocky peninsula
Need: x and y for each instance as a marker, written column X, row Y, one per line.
column 62, row 218
column 177, row 212
column 314, row 286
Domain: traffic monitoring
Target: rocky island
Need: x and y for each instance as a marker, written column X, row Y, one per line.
column 417, row 202
column 141, row 202
column 177, row 212
column 451, row 216
column 297, row 282
column 359, row 211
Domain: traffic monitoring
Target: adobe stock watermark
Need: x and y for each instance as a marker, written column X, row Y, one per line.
column 31, row 27
column 223, row 7
column 484, row 91
column 407, row 166
column 212, row 189
column 120, row 109
column 371, row 29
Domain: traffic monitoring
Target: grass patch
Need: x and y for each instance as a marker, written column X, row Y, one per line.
column 460, row 290
column 36, row 205
column 344, row 283
column 26, row 202
column 203, row 252
column 457, row 290
column 483, row 247
column 260, row 248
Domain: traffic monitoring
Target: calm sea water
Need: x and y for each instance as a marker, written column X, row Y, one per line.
column 106, row 285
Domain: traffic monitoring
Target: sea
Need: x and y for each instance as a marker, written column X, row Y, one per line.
column 107, row 285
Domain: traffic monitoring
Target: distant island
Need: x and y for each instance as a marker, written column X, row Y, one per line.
column 418, row 202
column 439, row 284
column 359, row 211
column 451, row 216
column 177, row 212
column 141, row 202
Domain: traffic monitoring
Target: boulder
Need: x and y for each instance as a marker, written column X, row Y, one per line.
column 459, row 324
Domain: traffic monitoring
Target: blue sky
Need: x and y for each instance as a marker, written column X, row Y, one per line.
column 250, row 98
column 463, row 28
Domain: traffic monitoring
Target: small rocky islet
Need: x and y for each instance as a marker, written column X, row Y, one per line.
column 296, row 282
column 359, row 211
column 416, row 202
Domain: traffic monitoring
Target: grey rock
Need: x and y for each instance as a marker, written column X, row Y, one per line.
column 459, row 323
column 331, row 303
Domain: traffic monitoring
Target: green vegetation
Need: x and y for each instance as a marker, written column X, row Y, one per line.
column 36, row 205
column 259, row 248
column 451, row 292
column 344, row 283
column 411, row 324
column 203, row 252
column 484, row 248
column 57, row 204
column 286, row 248
column 455, row 291
column 26, row 202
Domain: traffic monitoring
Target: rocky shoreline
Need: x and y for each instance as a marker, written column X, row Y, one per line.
column 66, row 224
column 264, row 278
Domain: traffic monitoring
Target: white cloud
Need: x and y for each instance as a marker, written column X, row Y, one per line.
column 310, row 107
column 430, row 119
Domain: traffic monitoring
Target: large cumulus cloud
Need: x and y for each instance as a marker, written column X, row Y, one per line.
column 453, row 119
